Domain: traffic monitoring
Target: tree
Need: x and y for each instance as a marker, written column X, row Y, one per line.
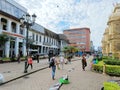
column 3, row 39
column 69, row 50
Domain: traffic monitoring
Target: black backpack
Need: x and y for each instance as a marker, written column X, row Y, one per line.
column 52, row 63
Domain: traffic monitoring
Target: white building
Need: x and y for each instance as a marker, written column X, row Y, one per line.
column 41, row 39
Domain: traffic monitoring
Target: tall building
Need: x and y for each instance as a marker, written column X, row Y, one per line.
column 111, row 37
column 79, row 37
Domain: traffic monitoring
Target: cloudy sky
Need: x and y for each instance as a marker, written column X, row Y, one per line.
column 58, row 15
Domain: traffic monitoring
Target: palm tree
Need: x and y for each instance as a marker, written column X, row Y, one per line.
column 3, row 39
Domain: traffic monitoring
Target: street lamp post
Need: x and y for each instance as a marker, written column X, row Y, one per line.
column 27, row 21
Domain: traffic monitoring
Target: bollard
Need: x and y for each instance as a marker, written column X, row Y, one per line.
column 25, row 69
column 104, row 67
column 1, row 78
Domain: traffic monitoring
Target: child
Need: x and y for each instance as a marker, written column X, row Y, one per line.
column 62, row 61
column 30, row 61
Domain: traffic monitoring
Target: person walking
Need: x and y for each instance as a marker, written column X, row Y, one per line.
column 18, row 58
column 52, row 65
column 37, row 58
column 84, row 63
column 62, row 61
column 30, row 62
column 93, row 61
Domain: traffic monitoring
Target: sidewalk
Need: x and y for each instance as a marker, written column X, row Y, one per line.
column 15, row 70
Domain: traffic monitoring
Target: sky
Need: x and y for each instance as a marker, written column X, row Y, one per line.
column 59, row 15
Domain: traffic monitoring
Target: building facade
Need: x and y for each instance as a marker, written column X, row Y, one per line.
column 40, row 39
column 111, row 38
column 79, row 37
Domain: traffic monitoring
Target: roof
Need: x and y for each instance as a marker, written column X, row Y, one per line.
column 63, row 37
column 77, row 29
column 51, row 34
column 38, row 28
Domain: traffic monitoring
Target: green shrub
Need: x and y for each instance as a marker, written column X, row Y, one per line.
column 97, row 67
column 112, row 62
column 6, row 59
column 113, row 70
column 111, row 86
column 105, row 57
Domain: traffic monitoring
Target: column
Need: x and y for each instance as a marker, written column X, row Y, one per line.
column 41, row 49
column 16, row 46
column 45, row 50
column 9, row 25
column 38, row 49
column 7, row 48
column 0, row 26
column 18, row 28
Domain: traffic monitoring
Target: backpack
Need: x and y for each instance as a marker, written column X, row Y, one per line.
column 52, row 63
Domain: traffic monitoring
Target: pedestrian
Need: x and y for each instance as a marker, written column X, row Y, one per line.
column 30, row 62
column 92, row 62
column 37, row 58
column 52, row 65
column 18, row 58
column 84, row 62
column 50, row 54
column 62, row 61
column 57, row 64
column 68, row 59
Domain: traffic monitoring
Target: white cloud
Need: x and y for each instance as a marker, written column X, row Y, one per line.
column 57, row 15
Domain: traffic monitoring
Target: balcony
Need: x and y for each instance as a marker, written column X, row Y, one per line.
column 46, row 43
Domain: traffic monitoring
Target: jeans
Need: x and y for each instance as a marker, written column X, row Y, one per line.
column 53, row 71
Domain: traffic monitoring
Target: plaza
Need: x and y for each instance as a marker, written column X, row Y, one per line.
column 79, row 80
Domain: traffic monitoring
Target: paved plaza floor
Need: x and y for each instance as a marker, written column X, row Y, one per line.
column 41, row 80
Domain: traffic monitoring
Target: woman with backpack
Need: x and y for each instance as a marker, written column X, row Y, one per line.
column 52, row 65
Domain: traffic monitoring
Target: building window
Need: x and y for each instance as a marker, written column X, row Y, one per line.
column 21, row 30
column 39, row 38
column 36, row 37
column 33, row 35
column 13, row 27
column 4, row 24
column 4, row 27
column 44, row 39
